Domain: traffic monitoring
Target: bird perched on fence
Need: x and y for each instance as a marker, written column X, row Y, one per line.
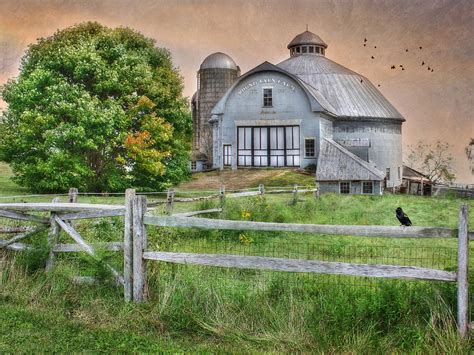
column 402, row 217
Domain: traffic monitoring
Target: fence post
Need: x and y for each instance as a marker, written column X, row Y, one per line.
column 169, row 202
column 73, row 195
column 53, row 238
column 222, row 196
column 128, row 245
column 295, row 194
column 463, row 265
column 139, row 244
column 261, row 189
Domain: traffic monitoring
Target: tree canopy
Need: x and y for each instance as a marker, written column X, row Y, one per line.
column 96, row 108
column 434, row 160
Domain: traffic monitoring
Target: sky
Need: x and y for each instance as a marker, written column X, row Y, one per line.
column 437, row 105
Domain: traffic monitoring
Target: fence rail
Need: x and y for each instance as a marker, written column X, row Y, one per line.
column 298, row 265
column 364, row 231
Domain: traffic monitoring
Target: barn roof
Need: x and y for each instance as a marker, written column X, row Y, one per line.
column 335, row 163
column 351, row 94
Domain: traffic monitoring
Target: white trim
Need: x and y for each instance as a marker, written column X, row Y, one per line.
column 304, row 148
column 272, row 123
column 350, row 187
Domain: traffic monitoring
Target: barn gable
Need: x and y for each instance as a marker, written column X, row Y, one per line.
column 317, row 101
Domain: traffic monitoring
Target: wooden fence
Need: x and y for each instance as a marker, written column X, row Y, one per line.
column 137, row 217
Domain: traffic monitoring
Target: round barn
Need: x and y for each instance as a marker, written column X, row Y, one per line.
column 303, row 112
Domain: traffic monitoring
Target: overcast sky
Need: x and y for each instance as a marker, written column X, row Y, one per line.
column 436, row 105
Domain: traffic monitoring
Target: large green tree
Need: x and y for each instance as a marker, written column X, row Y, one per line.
column 96, row 108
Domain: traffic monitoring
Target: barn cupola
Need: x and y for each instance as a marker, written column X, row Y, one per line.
column 307, row 43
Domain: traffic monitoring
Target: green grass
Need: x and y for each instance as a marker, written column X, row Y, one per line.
column 7, row 186
column 205, row 309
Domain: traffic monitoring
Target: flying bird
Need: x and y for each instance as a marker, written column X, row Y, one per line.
column 429, row 68
column 365, row 40
column 406, row 50
column 420, row 48
column 364, row 44
column 361, row 80
column 403, row 68
column 432, row 70
column 373, row 57
column 402, row 217
column 378, row 85
column 375, row 46
column 393, row 67
column 423, row 63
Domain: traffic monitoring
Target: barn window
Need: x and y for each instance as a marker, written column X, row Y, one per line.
column 311, row 49
column 367, row 187
column 309, row 144
column 297, row 49
column 387, row 174
column 267, row 97
column 399, row 172
column 304, row 49
column 193, row 165
column 345, row 187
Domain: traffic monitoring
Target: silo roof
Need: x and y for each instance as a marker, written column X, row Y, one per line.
column 218, row 60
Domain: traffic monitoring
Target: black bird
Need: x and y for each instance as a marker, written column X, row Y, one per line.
column 432, row 69
column 402, row 217
column 378, row 85
column 393, row 67
column 361, row 80
column 375, row 46
column 373, row 57
column 423, row 63
column 403, row 68
column 420, row 48
column 406, row 50
column 364, row 44
column 429, row 68
column 365, row 39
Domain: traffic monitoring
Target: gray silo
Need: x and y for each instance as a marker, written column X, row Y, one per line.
column 216, row 75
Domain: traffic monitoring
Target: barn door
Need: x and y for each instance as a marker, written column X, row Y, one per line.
column 277, row 146
column 227, row 154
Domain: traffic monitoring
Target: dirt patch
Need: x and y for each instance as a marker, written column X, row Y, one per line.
column 246, row 178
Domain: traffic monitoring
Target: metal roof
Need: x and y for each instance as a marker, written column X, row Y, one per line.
column 336, row 163
column 307, row 38
column 218, row 60
column 349, row 93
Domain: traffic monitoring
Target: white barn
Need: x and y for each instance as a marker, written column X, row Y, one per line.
column 279, row 116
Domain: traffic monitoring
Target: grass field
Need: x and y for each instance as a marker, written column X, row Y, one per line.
column 204, row 309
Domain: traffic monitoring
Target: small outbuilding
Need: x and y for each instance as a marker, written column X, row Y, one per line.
column 343, row 172
column 415, row 182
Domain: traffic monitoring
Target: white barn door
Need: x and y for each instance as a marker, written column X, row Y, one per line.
column 268, row 146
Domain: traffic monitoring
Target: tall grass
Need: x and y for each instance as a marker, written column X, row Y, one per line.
column 215, row 309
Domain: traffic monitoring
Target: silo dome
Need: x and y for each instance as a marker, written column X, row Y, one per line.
column 218, row 60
